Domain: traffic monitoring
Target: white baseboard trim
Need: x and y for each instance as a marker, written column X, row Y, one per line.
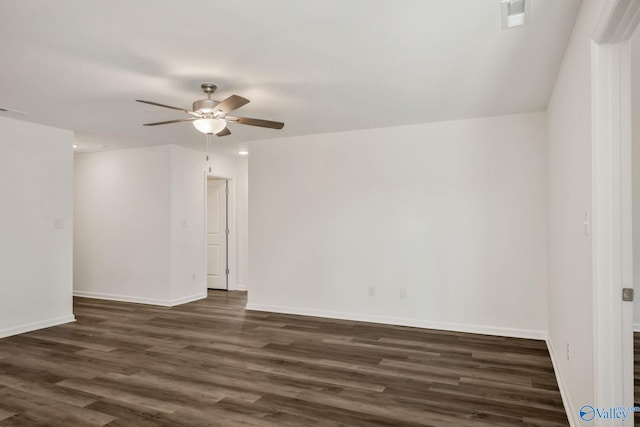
column 241, row 287
column 416, row 323
column 190, row 298
column 140, row 300
column 564, row 392
column 636, row 327
column 7, row 332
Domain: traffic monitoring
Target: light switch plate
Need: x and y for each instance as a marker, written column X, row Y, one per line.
column 627, row 294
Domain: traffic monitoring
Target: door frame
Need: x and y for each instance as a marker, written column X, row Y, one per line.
column 232, row 239
column 611, row 204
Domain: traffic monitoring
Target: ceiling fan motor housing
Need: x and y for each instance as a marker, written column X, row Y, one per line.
column 205, row 106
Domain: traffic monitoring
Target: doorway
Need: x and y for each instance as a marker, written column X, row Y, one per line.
column 217, row 233
column 612, row 205
column 635, row 204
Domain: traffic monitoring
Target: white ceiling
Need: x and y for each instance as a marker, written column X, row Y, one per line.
column 319, row 66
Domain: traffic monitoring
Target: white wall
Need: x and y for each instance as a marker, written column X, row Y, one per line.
column 635, row 115
column 453, row 213
column 36, row 189
column 570, row 262
column 140, row 223
column 188, row 251
column 122, row 239
column 242, row 215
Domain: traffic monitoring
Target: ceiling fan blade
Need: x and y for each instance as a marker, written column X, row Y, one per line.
column 256, row 122
column 232, row 103
column 168, row 121
column 224, row 132
column 165, row 106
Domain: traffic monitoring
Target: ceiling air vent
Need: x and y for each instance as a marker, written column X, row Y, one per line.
column 514, row 13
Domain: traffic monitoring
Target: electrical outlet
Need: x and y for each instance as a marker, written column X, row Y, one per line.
column 372, row 291
column 403, row 293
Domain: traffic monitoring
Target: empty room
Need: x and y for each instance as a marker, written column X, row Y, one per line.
column 336, row 213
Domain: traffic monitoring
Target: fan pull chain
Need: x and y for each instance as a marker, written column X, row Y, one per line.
column 209, row 151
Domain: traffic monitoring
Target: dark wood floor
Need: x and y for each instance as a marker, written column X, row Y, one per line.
column 211, row 363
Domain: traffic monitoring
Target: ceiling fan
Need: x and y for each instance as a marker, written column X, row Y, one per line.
column 210, row 116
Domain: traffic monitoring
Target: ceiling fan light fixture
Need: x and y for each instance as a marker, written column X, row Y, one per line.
column 209, row 126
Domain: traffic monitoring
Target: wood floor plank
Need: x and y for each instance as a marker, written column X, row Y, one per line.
column 47, row 390
column 129, row 414
column 43, row 411
column 116, row 389
column 212, row 363
column 4, row 414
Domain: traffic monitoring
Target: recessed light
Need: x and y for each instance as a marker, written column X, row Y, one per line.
column 243, row 152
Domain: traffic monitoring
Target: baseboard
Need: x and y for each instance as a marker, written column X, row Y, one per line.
column 564, row 392
column 416, row 323
column 190, row 298
column 140, row 300
column 36, row 325
column 636, row 327
column 241, row 287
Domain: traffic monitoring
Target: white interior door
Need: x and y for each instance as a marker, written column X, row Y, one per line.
column 216, row 234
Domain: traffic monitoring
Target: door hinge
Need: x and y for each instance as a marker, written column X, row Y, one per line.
column 207, row 158
column 209, row 168
column 226, row 271
column 627, row 294
column 226, row 231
